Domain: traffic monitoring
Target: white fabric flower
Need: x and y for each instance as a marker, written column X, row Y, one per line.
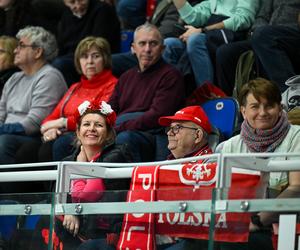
column 83, row 107
column 105, row 108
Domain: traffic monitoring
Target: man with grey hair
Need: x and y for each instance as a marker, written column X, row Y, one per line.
column 143, row 94
column 30, row 95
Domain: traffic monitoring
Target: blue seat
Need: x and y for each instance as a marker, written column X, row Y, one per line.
column 8, row 223
column 126, row 40
column 223, row 114
column 31, row 221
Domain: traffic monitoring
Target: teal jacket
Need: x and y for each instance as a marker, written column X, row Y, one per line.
column 241, row 13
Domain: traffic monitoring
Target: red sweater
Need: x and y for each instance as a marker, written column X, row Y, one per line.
column 100, row 86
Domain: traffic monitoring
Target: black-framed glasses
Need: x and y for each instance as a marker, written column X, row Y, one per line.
column 175, row 129
column 21, row 45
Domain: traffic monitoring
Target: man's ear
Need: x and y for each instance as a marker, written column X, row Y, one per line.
column 38, row 52
column 132, row 49
column 199, row 135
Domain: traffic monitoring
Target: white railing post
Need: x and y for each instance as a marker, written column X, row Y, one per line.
column 287, row 232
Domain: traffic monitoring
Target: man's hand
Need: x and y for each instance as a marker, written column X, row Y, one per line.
column 71, row 223
column 190, row 30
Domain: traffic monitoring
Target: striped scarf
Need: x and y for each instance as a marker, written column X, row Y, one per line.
column 265, row 140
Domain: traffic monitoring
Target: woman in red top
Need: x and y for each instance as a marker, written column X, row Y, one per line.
column 93, row 62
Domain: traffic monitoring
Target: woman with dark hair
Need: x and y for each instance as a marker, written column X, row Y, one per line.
column 266, row 129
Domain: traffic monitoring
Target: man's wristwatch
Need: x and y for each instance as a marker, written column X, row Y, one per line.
column 255, row 219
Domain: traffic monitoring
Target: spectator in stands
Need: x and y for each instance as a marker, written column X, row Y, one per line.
column 7, row 67
column 30, row 95
column 188, row 131
column 210, row 24
column 17, row 14
column 80, row 19
column 277, row 49
column 166, row 18
column 95, row 137
column 14, row 15
column 132, row 13
column 93, row 62
column 144, row 93
column 266, row 129
column 188, row 135
column 274, row 37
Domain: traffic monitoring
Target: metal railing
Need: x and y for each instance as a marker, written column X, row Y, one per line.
column 64, row 172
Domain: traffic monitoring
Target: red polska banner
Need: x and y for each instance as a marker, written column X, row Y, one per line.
column 192, row 181
column 138, row 229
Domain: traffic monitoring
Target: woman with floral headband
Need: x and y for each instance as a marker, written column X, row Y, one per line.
column 96, row 143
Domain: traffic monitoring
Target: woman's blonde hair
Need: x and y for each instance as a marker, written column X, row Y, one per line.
column 86, row 44
column 8, row 45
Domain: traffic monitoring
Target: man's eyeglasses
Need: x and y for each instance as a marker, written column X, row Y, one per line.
column 175, row 129
column 23, row 46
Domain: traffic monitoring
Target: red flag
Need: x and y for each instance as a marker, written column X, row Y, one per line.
column 138, row 230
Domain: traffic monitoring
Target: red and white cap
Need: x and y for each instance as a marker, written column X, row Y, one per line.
column 193, row 114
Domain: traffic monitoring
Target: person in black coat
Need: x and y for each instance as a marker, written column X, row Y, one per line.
column 96, row 143
column 14, row 15
column 17, row 14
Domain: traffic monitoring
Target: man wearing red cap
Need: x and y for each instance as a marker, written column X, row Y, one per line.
column 188, row 132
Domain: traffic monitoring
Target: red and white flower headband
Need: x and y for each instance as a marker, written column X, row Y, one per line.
column 104, row 108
